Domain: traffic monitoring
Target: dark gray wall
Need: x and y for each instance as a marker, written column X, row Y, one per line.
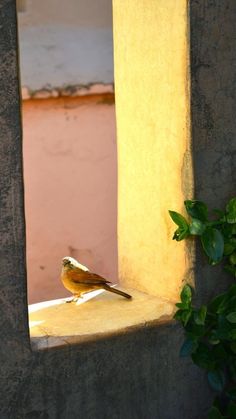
column 213, row 118
column 138, row 374
column 14, row 345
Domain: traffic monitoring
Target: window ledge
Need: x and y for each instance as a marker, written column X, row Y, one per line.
column 54, row 324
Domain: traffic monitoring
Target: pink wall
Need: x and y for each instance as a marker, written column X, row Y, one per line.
column 70, row 189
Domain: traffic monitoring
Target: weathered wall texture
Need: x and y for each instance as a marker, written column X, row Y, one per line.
column 133, row 376
column 137, row 375
column 151, row 61
column 213, row 104
column 65, row 46
column 14, row 343
column 70, row 189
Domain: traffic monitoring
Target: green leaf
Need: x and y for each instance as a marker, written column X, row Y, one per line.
column 231, row 211
column 196, row 209
column 227, row 230
column 223, row 306
column 180, row 234
column 203, row 357
column 217, row 305
column 214, row 413
column 229, row 248
column 232, row 258
column 216, row 380
column 186, row 294
column 195, row 331
column 183, row 316
column 230, row 269
column 200, row 315
column 232, row 410
column 183, row 231
column 183, row 306
column 213, row 337
column 178, row 316
column 186, row 316
column 226, row 330
column 231, row 304
column 197, row 227
column 213, row 244
column 188, row 347
column 232, row 334
column 232, row 291
column 231, row 206
column 231, row 218
column 178, row 219
column 233, row 229
column 231, row 317
column 220, row 354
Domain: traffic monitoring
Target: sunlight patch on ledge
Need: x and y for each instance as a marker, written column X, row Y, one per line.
column 99, row 314
column 45, row 304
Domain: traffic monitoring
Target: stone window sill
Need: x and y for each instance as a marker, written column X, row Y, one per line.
column 54, row 324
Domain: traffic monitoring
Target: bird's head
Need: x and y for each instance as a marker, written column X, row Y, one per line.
column 69, row 262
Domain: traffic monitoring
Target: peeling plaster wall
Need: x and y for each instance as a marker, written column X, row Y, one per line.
column 65, row 45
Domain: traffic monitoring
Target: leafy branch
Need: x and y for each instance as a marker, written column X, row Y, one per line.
column 218, row 236
column 210, row 331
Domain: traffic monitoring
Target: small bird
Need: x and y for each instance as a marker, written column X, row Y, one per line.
column 79, row 280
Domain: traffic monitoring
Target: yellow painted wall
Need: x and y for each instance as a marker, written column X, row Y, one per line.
column 152, row 109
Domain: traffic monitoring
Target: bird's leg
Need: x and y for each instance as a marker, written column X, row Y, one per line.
column 74, row 299
column 70, row 301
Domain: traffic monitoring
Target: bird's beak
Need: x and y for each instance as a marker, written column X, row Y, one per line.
column 65, row 262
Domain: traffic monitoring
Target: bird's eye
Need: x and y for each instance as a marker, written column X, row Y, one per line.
column 66, row 262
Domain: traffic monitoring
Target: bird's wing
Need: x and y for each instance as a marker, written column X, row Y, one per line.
column 86, row 278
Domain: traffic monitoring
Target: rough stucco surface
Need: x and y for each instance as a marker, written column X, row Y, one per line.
column 54, row 56
column 153, row 141
column 213, row 103
column 14, row 347
column 135, row 375
column 65, row 46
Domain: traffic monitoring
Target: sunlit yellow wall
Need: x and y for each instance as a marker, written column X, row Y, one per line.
column 152, row 106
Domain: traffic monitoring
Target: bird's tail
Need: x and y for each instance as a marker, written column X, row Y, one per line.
column 116, row 291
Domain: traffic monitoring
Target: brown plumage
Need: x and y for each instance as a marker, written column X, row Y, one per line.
column 79, row 280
